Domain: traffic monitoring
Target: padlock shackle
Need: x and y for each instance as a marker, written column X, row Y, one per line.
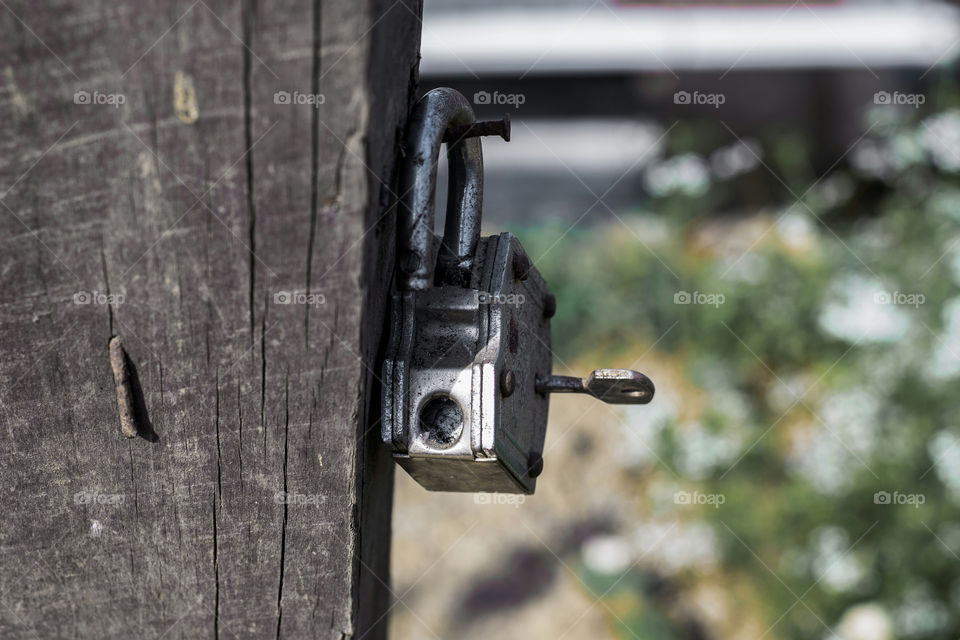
column 435, row 113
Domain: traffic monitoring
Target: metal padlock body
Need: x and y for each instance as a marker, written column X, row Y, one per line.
column 453, row 344
column 467, row 373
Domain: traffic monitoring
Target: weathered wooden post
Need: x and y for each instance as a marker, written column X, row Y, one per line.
column 210, row 184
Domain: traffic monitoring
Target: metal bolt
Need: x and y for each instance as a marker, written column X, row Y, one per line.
column 534, row 464
column 521, row 265
column 476, row 129
column 123, row 380
column 508, row 383
column 549, row 305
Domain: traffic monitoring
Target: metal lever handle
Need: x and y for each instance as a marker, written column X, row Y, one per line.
column 613, row 386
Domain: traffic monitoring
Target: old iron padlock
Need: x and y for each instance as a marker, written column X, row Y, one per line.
column 467, row 373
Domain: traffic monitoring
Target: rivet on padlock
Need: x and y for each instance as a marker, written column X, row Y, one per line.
column 467, row 375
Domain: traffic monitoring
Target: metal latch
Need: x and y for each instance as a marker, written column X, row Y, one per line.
column 467, row 373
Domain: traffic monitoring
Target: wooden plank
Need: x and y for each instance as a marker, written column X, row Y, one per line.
column 171, row 205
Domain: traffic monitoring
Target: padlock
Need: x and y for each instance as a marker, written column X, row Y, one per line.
column 467, row 372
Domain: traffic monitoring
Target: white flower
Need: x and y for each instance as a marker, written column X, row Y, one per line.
column 945, row 360
column 944, row 450
column 738, row 158
column 872, row 158
column 833, row 562
column 686, row 174
column 702, row 450
column 611, row 555
column 819, row 458
column 797, row 231
column 940, row 137
column 853, row 313
column 639, row 430
column 676, row 546
column 868, row 621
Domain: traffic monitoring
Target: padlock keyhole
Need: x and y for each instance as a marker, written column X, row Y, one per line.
column 441, row 421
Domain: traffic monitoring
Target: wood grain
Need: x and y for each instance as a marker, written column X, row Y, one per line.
column 177, row 207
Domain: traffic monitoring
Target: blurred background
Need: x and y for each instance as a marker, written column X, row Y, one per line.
column 758, row 206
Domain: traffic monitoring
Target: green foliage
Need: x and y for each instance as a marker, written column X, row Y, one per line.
column 834, row 413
